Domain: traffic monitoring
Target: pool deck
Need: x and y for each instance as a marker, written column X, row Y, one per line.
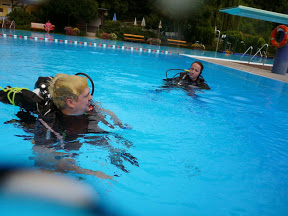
column 254, row 68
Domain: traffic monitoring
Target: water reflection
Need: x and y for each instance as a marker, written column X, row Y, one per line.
column 61, row 155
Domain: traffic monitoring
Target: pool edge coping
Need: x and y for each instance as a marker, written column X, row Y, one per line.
column 240, row 65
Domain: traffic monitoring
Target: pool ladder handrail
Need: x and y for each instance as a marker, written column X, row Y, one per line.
column 219, row 33
column 12, row 23
column 3, row 22
column 251, row 47
column 259, row 51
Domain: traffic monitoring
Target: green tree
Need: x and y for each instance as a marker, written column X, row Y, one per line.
column 20, row 17
column 68, row 12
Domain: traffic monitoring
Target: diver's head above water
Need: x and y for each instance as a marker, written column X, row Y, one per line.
column 195, row 70
column 70, row 94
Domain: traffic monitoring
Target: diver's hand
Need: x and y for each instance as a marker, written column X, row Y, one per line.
column 115, row 119
column 103, row 120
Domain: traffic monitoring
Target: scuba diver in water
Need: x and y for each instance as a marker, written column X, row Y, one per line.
column 65, row 111
column 189, row 79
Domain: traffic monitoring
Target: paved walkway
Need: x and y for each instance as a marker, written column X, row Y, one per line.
column 259, row 69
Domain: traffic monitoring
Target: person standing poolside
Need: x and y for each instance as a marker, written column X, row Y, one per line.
column 48, row 26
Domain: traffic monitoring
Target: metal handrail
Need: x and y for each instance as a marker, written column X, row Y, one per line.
column 265, row 57
column 260, row 53
column 12, row 24
column 251, row 47
column 259, row 50
column 3, row 22
column 217, row 40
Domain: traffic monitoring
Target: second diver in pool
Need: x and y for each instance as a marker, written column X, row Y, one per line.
column 189, row 79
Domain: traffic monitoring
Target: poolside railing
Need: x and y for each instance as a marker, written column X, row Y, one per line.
column 250, row 48
column 259, row 51
column 12, row 24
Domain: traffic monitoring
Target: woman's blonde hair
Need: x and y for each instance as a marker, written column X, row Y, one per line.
column 64, row 86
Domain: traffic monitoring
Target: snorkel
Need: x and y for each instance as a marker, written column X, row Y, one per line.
column 91, row 107
column 92, row 83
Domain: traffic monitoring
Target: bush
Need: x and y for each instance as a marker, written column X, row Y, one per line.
column 20, row 17
column 108, row 36
column 235, row 34
column 99, row 33
column 154, row 41
column 240, row 42
column 205, row 34
column 255, row 41
column 111, row 26
column 198, row 46
column 136, row 31
column 71, row 31
column 119, row 29
column 113, row 36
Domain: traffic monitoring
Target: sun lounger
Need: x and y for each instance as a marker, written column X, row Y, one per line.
column 39, row 26
column 131, row 37
column 177, row 42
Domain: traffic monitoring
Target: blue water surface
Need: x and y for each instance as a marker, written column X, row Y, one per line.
column 177, row 50
column 218, row 152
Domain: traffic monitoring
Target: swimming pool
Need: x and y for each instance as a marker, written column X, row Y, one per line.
column 219, row 152
column 174, row 50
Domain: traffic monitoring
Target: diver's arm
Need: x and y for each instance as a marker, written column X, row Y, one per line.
column 205, row 86
column 202, row 85
column 103, row 113
column 20, row 97
column 113, row 116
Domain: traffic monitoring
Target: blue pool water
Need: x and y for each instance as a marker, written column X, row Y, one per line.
column 219, row 152
column 175, row 50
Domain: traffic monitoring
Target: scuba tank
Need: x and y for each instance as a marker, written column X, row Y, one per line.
column 183, row 74
column 41, row 87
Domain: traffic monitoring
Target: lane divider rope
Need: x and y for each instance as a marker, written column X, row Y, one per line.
column 90, row 44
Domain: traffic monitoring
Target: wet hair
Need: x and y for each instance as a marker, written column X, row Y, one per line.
column 64, row 86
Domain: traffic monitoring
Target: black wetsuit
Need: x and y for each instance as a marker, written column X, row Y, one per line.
column 183, row 80
column 39, row 115
column 41, row 105
column 29, row 101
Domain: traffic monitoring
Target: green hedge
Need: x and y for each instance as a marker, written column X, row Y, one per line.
column 241, row 42
column 121, row 28
column 20, row 17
